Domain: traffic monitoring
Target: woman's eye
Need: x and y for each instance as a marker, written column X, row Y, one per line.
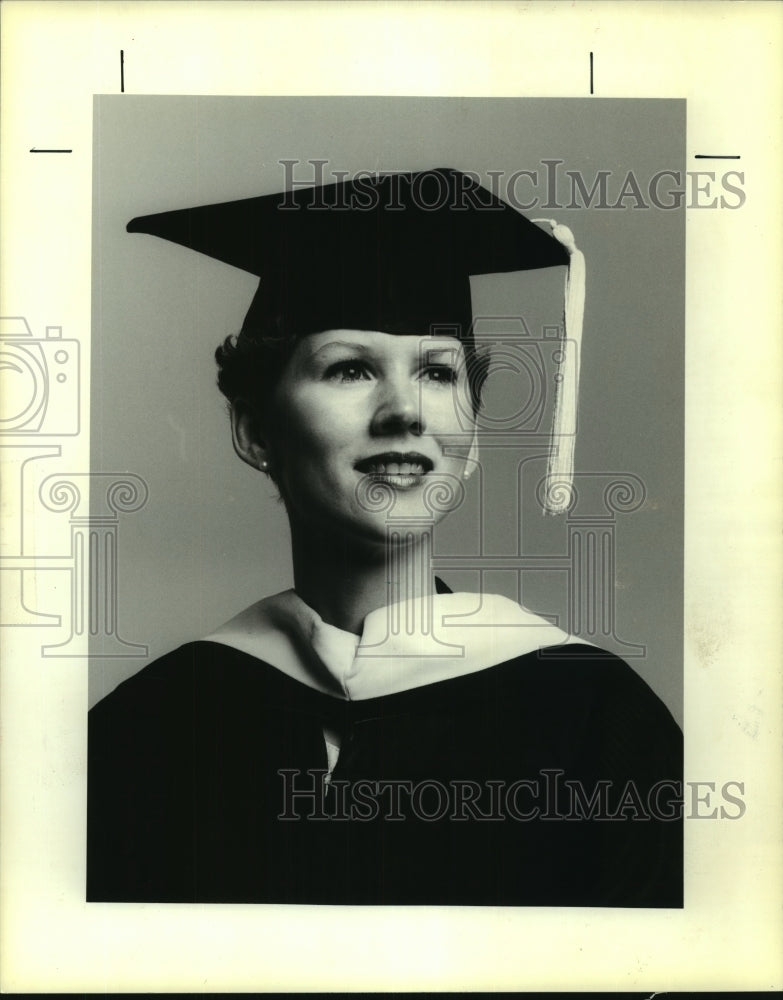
column 442, row 374
column 348, row 371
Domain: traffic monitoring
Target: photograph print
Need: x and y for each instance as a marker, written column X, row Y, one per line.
column 396, row 616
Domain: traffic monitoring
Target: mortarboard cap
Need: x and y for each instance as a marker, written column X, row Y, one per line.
column 392, row 253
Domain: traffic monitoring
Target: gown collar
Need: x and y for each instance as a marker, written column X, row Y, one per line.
column 402, row 646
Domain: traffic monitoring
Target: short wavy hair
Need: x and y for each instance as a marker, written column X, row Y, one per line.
column 250, row 367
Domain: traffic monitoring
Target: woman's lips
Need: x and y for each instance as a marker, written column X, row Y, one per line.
column 396, row 469
column 396, row 464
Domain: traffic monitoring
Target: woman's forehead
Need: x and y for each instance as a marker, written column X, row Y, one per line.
column 374, row 341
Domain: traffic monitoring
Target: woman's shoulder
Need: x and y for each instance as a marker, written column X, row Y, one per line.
column 578, row 669
column 200, row 670
column 579, row 687
column 233, row 652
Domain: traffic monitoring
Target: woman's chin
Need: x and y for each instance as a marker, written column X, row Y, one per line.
column 408, row 523
column 369, row 533
column 380, row 510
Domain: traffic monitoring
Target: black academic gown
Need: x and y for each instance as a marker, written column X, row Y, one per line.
column 206, row 785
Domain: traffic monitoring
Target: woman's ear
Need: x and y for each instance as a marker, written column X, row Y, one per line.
column 246, row 435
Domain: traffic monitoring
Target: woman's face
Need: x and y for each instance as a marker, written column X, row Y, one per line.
column 369, row 427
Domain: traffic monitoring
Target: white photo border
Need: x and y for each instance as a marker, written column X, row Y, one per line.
column 725, row 59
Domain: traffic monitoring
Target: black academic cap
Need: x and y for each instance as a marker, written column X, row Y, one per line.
column 392, row 253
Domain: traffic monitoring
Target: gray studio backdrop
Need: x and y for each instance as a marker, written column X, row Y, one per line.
column 212, row 538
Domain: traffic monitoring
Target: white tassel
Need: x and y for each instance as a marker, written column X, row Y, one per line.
column 560, row 471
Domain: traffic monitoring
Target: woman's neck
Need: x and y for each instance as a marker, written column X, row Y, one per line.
column 343, row 581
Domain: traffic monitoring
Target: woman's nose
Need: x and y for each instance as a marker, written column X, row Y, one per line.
column 399, row 409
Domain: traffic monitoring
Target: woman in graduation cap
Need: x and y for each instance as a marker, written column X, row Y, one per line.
column 369, row 736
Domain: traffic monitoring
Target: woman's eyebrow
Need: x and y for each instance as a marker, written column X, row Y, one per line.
column 443, row 351
column 357, row 348
column 439, row 348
